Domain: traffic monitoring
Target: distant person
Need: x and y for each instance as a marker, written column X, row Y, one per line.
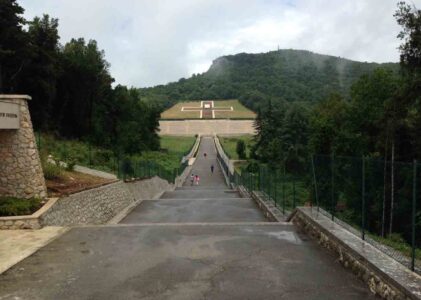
column 212, row 168
column 205, row 154
column 197, row 179
column 192, row 178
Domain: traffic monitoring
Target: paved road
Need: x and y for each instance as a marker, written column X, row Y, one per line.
column 164, row 253
column 181, row 262
column 202, row 166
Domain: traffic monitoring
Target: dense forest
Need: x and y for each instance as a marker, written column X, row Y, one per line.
column 283, row 75
column 369, row 137
column 70, row 85
column 379, row 117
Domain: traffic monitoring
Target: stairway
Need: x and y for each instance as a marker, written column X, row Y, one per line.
column 210, row 202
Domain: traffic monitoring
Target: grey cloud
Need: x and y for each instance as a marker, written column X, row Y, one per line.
column 153, row 42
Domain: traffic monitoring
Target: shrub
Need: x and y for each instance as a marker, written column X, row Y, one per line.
column 70, row 164
column 241, row 149
column 51, row 171
column 10, row 206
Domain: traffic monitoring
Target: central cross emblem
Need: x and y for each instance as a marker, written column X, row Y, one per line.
column 207, row 109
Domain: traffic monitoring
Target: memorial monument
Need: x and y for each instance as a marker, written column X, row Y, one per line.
column 21, row 172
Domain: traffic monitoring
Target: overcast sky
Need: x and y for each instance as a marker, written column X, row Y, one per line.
column 157, row 41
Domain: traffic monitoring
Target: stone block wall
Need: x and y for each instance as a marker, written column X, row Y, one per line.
column 100, row 205
column 19, row 223
column 21, row 173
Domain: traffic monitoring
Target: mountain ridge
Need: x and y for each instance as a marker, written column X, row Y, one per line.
column 286, row 74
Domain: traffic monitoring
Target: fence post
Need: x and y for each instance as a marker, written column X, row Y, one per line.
column 363, row 200
column 275, row 187
column 293, row 192
column 332, row 160
column 283, row 191
column 315, row 182
column 118, row 167
column 414, row 207
column 90, row 152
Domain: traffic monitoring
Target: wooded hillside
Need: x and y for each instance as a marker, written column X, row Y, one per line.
column 290, row 75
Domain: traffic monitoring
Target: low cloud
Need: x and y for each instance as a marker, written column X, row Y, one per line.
column 154, row 42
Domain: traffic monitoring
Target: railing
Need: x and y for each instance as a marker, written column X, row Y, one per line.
column 375, row 199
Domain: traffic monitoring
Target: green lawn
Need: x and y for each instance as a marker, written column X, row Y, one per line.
column 239, row 110
column 173, row 149
column 177, row 144
column 229, row 144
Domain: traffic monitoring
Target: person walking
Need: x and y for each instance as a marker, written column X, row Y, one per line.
column 192, row 178
column 197, row 179
column 212, row 168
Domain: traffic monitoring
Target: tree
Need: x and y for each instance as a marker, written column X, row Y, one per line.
column 328, row 128
column 409, row 17
column 13, row 42
column 39, row 78
column 83, row 87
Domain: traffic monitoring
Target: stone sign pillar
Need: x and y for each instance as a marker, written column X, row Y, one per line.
column 21, row 173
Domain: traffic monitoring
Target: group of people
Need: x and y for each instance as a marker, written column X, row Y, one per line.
column 194, row 179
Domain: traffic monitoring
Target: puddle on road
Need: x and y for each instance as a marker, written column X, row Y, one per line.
column 288, row 236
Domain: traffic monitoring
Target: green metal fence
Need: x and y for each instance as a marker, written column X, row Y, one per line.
column 378, row 200
column 127, row 169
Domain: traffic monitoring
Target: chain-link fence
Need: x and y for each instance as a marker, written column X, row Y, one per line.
column 378, row 200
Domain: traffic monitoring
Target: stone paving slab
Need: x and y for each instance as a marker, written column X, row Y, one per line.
column 16, row 245
column 182, row 262
column 209, row 210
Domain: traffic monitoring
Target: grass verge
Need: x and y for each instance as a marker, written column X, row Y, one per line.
column 229, row 144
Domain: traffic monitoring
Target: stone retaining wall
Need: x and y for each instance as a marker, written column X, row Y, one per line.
column 384, row 276
column 99, row 205
column 206, row 127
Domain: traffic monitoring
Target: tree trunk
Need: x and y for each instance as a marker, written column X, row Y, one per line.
column 392, row 189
